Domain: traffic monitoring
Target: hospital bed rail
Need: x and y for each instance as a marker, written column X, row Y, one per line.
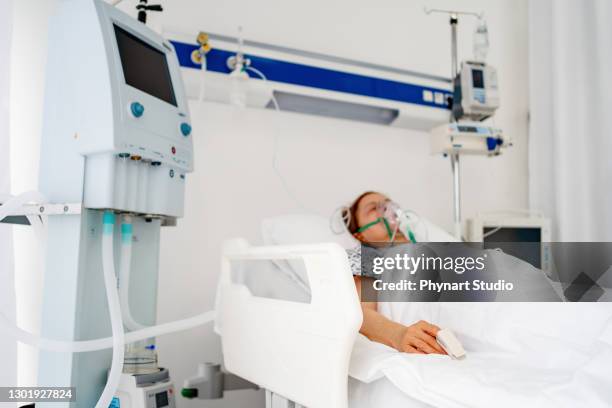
column 297, row 350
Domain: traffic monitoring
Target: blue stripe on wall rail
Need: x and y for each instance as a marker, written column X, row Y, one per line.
column 315, row 77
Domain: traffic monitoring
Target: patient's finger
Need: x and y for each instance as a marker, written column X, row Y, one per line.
column 429, row 328
column 426, row 337
column 407, row 348
column 423, row 346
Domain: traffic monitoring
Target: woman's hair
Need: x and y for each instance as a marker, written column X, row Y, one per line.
column 350, row 215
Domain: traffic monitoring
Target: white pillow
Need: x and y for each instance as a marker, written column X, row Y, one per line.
column 303, row 229
column 310, row 229
column 298, row 229
column 436, row 233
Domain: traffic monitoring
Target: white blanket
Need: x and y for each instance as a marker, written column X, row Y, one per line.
column 518, row 355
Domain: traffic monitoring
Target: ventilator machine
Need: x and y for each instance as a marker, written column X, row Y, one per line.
column 117, row 137
column 116, row 147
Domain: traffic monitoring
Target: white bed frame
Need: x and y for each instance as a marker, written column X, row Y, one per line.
column 298, row 352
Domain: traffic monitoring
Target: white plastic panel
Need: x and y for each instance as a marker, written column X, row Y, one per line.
column 139, row 186
column 295, row 349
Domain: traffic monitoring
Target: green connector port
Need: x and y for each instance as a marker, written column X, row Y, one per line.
column 189, row 392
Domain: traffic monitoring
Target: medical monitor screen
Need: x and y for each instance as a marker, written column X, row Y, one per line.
column 144, row 67
column 521, row 242
column 477, row 78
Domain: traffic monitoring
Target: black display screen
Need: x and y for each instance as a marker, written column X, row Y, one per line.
column 144, row 67
column 161, row 399
column 516, row 241
column 477, row 78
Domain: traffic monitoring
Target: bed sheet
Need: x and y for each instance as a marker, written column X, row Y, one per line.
column 380, row 393
column 518, row 355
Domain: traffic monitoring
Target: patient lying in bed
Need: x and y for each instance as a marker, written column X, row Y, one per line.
column 519, row 354
column 366, row 222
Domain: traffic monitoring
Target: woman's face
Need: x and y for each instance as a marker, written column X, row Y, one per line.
column 367, row 212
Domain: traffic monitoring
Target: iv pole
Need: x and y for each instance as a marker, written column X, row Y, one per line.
column 454, row 156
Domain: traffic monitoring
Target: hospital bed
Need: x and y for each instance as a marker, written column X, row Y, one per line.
column 298, row 337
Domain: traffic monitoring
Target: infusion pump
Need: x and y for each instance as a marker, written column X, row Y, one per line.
column 475, row 95
column 468, row 138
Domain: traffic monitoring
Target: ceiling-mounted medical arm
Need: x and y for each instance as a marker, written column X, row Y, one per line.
column 211, row 382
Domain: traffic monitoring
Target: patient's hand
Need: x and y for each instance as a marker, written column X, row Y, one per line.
column 419, row 338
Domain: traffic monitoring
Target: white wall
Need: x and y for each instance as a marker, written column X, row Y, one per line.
column 325, row 161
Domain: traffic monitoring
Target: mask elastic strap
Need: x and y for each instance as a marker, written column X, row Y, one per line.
column 370, row 224
column 411, row 236
column 388, row 227
column 390, row 232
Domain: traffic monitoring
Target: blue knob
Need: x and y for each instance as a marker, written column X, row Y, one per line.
column 137, row 109
column 491, row 143
column 185, row 129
